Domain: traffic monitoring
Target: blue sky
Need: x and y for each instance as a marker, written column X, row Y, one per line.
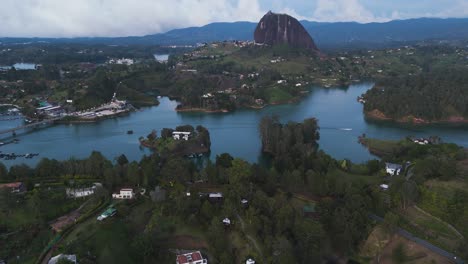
column 77, row 18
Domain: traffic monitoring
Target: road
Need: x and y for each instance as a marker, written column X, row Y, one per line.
column 422, row 242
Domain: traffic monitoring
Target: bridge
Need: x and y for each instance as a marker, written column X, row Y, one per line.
column 13, row 130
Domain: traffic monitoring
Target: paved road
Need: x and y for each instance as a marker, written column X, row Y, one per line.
column 422, row 242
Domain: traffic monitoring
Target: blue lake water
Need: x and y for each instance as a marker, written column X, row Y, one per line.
column 339, row 114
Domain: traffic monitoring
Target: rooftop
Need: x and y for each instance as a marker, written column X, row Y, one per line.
column 189, row 257
column 11, row 185
column 393, row 166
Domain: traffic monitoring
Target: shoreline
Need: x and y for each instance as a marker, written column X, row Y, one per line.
column 202, row 110
column 293, row 100
column 379, row 116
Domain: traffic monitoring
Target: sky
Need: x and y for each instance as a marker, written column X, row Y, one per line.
column 110, row 18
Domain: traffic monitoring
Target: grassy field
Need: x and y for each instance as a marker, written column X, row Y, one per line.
column 381, row 147
column 430, row 228
column 379, row 248
column 108, row 241
column 276, row 95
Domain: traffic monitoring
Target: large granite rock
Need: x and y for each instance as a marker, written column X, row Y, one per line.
column 276, row 29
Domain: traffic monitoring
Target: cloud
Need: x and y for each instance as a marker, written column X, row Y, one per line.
column 90, row 18
column 458, row 9
column 72, row 18
column 344, row 10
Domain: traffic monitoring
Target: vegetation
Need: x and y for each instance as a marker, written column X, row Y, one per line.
column 198, row 142
column 426, row 84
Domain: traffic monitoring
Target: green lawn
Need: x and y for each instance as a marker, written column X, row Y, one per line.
column 430, row 228
column 276, row 94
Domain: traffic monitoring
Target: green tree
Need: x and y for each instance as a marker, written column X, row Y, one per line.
column 3, row 173
column 224, row 160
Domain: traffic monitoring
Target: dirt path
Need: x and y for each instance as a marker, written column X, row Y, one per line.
column 249, row 237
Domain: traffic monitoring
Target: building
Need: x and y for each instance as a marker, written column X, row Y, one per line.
column 191, row 258
column 245, row 203
column 56, row 259
column 309, row 211
column 227, row 221
column 215, row 197
column 384, row 186
column 107, row 213
column 80, row 192
column 126, row 193
column 421, row 141
column 14, row 187
column 393, row 169
column 180, row 135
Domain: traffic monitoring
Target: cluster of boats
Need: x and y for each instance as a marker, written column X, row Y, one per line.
column 13, row 156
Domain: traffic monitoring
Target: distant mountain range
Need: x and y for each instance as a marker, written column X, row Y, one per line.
column 326, row 35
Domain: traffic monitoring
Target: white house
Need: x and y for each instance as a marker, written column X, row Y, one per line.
column 56, row 259
column 250, row 261
column 384, row 187
column 226, row 221
column 80, row 192
column 180, row 135
column 421, row 141
column 124, row 194
column 215, row 196
column 393, row 169
column 191, row 258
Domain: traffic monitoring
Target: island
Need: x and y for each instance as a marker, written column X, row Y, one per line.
column 182, row 141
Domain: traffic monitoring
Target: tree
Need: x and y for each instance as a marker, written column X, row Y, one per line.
column 122, row 160
column 239, row 172
column 152, row 136
column 166, row 133
column 373, row 166
column 224, row 160
column 3, row 173
column 143, row 246
column 390, row 223
column 409, row 193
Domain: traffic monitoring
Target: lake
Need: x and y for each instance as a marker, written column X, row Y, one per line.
column 339, row 114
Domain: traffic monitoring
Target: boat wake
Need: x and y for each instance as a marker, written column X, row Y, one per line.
column 337, row 128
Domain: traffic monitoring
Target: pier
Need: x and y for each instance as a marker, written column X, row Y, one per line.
column 38, row 123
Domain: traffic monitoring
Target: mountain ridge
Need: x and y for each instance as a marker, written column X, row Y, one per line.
column 325, row 34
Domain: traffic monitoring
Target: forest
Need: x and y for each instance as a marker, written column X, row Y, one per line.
column 305, row 207
column 438, row 94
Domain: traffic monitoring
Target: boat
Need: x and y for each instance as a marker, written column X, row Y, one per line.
column 130, row 132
